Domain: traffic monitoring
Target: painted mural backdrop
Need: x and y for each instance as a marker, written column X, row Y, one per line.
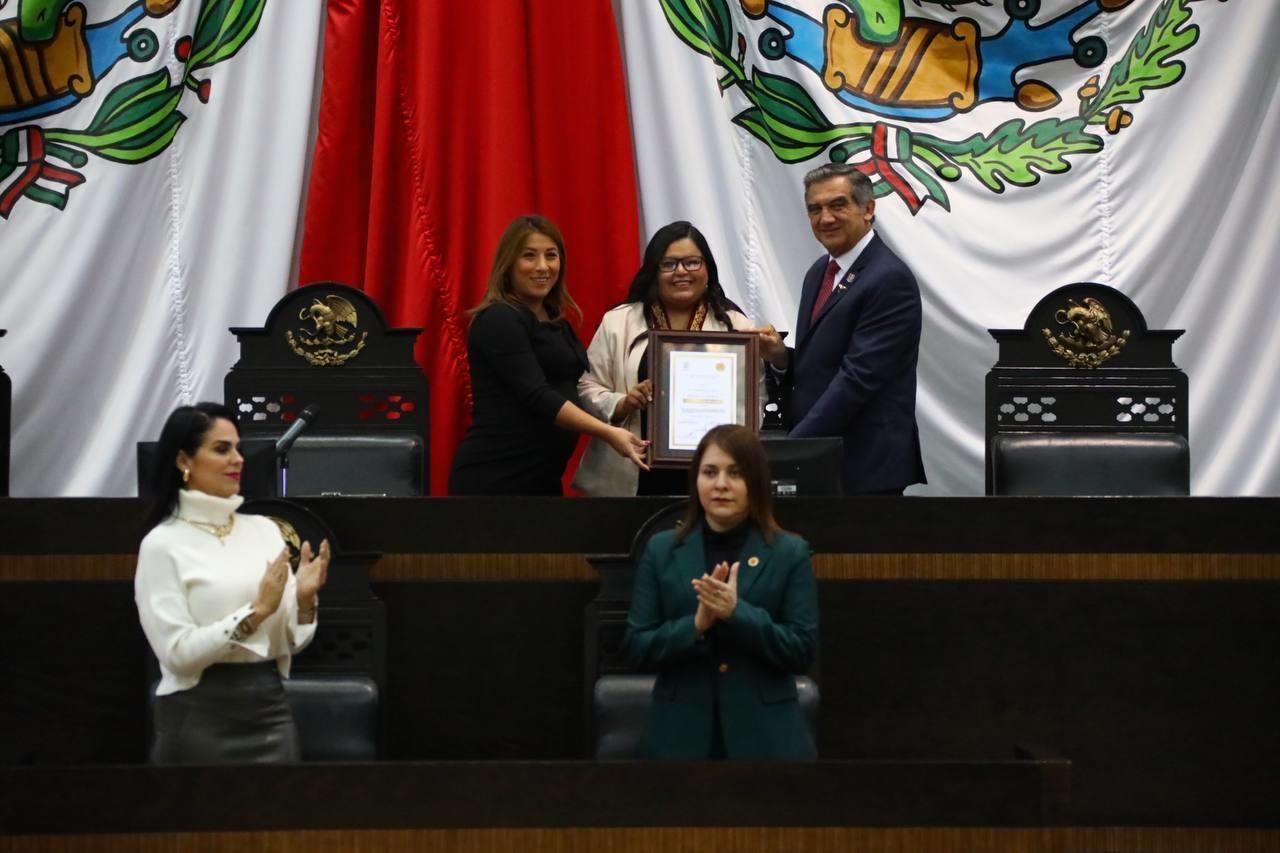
column 1014, row 146
column 152, row 155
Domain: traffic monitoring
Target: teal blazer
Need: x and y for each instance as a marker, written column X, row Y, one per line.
column 747, row 675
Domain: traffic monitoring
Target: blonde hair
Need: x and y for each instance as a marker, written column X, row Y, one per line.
column 510, row 245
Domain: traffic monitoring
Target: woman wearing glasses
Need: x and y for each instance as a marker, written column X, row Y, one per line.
column 677, row 287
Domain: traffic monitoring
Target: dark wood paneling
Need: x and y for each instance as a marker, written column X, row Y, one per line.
column 484, row 567
column 1147, row 659
column 531, row 794
column 1163, row 695
column 479, row 671
column 72, row 674
column 661, row 840
column 606, row 525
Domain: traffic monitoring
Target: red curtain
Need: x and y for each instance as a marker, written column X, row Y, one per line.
column 439, row 123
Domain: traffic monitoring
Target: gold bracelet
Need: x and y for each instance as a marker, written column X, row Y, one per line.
column 244, row 629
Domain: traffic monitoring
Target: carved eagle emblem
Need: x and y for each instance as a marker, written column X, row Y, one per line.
column 329, row 315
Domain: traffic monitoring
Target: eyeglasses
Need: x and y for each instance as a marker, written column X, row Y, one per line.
column 690, row 264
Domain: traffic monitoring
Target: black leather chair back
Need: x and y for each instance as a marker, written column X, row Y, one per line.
column 667, row 518
column 1090, row 464
column 622, row 704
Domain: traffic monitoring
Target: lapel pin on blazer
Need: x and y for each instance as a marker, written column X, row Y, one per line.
column 753, row 561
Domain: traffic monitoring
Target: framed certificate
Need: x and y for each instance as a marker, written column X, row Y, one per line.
column 700, row 380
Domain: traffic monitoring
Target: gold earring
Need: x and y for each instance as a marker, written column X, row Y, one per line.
column 186, row 475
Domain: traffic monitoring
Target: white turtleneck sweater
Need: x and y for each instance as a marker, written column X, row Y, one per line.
column 192, row 590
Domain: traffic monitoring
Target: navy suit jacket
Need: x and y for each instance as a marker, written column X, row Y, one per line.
column 746, row 672
column 853, row 370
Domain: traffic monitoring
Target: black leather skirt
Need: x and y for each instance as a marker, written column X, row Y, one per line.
column 237, row 714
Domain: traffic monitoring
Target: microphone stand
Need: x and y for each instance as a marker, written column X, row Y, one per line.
column 282, row 474
column 305, row 418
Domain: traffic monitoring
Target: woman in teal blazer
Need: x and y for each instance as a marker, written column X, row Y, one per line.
column 725, row 608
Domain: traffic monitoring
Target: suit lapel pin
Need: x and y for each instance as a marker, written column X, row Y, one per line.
column 753, row 561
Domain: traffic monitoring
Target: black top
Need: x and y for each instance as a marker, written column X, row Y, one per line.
column 522, row 372
column 724, row 547
column 720, row 548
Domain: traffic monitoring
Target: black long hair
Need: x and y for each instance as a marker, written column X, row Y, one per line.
column 644, row 287
column 184, row 430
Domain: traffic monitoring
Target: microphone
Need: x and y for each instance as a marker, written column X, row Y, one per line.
column 305, row 418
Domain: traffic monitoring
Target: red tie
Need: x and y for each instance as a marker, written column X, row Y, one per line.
column 824, row 293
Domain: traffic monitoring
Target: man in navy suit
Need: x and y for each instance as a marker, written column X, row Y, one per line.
column 852, row 372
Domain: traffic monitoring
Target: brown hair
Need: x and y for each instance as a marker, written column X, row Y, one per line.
column 747, row 452
column 504, row 258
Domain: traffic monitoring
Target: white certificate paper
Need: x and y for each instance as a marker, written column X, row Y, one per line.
column 704, row 394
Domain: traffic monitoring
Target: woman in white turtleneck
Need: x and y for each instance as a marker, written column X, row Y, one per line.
column 218, row 603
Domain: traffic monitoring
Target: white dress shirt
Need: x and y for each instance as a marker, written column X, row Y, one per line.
column 845, row 261
column 193, row 589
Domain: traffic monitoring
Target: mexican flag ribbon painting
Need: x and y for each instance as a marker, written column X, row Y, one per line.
column 1014, row 147
column 152, row 157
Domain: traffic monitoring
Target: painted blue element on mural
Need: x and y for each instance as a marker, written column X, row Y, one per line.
column 1019, row 45
column 106, row 46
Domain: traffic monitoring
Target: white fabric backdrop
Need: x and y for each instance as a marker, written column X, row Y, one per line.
column 1178, row 210
column 118, row 306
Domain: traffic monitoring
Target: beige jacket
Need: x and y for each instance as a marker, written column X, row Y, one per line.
column 614, row 356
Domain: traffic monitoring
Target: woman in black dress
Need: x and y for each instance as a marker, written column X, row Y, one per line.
column 525, row 362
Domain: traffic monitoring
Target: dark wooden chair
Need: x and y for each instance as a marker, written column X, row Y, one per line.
column 1084, row 399
column 328, row 345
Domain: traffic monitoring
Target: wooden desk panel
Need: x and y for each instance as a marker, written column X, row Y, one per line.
column 533, row 795
column 659, row 840
column 483, row 567
column 1139, row 643
column 606, row 525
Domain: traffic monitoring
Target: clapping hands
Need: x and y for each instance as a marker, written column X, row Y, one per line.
column 311, row 575
column 271, row 587
column 717, row 596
